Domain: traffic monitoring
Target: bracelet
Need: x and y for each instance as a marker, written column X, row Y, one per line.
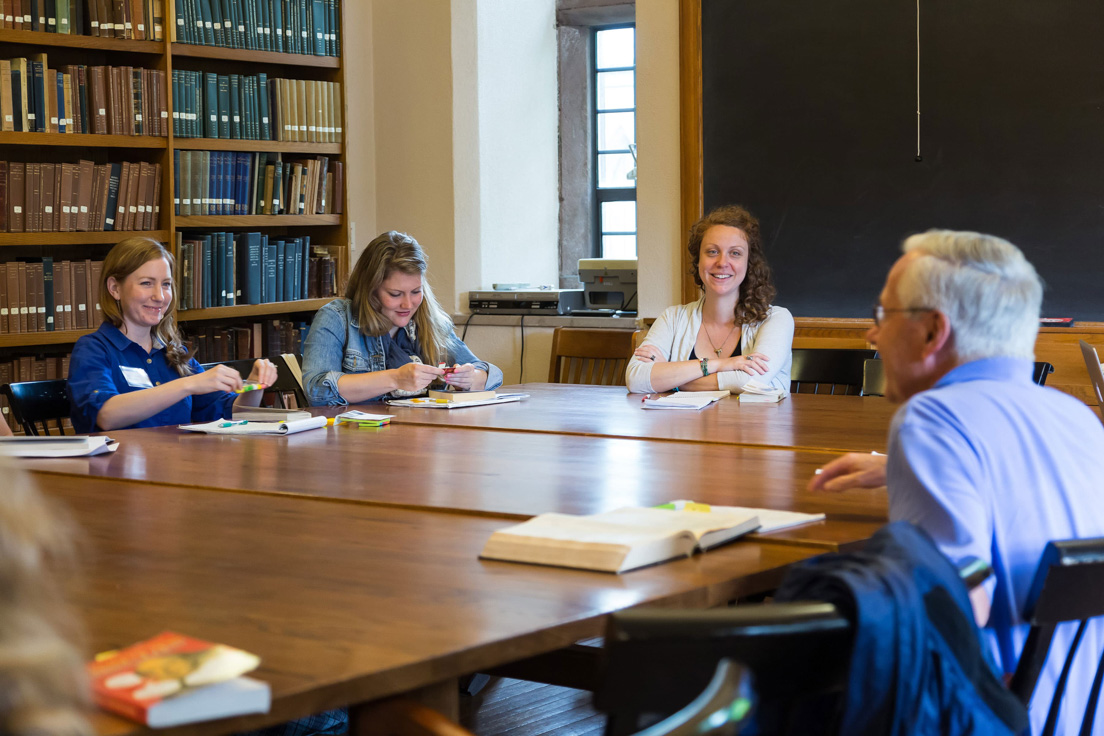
column 705, row 367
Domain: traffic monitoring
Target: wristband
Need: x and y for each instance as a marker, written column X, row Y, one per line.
column 705, row 367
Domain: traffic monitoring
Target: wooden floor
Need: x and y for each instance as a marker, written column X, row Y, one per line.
column 521, row 708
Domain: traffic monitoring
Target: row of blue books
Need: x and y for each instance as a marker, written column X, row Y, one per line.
column 225, row 269
column 244, row 183
column 286, row 26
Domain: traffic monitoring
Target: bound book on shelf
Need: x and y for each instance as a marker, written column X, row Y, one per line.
column 173, row 679
column 460, row 397
column 616, row 541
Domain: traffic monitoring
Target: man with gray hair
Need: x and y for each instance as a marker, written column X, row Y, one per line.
column 988, row 463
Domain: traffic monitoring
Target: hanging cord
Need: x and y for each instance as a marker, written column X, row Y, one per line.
column 521, row 373
column 918, row 156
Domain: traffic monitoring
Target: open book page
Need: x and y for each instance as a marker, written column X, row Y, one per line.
column 226, row 426
column 770, row 520
column 685, row 400
column 615, row 541
column 427, row 403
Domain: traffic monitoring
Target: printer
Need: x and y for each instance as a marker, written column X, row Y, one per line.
column 609, row 284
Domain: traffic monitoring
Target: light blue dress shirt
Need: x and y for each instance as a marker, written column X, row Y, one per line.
column 994, row 466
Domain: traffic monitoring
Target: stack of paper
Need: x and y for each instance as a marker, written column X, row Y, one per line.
column 363, row 419
column 56, row 446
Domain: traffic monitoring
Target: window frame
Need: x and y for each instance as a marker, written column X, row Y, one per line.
column 599, row 195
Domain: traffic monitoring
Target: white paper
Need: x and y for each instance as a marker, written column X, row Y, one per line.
column 225, row 426
column 692, row 400
column 56, row 446
column 431, row 404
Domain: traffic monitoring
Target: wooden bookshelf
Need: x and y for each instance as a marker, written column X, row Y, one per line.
column 84, row 140
column 235, row 144
column 327, row 230
column 253, row 310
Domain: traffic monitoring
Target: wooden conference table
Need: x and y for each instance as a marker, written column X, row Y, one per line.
column 335, row 544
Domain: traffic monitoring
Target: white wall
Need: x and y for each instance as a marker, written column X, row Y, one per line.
column 660, row 239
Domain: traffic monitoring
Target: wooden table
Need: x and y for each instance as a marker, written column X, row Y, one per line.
column 511, row 475
column 805, row 421
column 348, row 603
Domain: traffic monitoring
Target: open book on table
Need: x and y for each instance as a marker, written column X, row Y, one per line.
column 56, row 446
column 243, row 426
column 692, row 400
column 616, row 541
column 428, row 403
column 770, row 520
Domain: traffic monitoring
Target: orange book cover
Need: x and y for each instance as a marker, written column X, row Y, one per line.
column 173, row 679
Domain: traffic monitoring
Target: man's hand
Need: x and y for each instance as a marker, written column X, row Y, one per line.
column 853, row 470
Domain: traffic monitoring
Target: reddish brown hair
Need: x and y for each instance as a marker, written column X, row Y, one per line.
column 757, row 291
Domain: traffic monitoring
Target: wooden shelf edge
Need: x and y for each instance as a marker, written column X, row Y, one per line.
column 263, row 57
column 234, row 144
column 38, row 38
column 32, row 339
column 201, row 221
column 253, row 310
column 9, row 138
column 79, row 238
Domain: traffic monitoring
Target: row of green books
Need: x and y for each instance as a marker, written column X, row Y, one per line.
column 286, row 26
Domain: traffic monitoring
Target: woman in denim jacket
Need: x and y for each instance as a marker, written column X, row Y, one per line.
column 388, row 335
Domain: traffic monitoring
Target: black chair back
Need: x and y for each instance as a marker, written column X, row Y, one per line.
column 37, row 404
column 286, row 382
column 1068, row 586
column 828, row 371
column 1042, row 370
column 658, row 661
column 720, row 710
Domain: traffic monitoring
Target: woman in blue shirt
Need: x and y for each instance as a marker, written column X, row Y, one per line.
column 134, row 371
column 388, row 335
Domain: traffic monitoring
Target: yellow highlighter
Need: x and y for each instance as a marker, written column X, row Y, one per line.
column 251, row 386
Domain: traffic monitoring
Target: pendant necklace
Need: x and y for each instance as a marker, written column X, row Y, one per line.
column 716, row 349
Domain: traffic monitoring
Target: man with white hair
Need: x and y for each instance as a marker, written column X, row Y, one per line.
column 988, row 463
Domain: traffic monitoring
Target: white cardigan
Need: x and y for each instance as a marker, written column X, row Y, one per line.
column 676, row 331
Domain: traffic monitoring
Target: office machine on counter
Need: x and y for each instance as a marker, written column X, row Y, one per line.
column 526, row 301
column 609, row 284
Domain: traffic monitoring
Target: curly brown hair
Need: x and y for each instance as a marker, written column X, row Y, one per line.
column 757, row 291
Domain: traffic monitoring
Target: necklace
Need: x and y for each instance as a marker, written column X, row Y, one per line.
column 708, row 337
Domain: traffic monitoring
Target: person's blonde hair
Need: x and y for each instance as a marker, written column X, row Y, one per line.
column 124, row 259
column 394, row 251
column 43, row 685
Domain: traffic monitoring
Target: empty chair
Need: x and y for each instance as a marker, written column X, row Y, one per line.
column 1042, row 370
column 39, row 407
column 828, row 371
column 591, row 356
column 1068, row 586
column 287, row 380
column 873, row 378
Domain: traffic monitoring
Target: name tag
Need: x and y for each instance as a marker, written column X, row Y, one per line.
column 136, row 377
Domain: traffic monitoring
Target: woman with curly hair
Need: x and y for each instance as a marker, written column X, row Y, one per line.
column 732, row 335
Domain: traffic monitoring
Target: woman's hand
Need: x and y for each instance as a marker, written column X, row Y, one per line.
column 466, row 378
column 650, row 353
column 754, row 364
column 416, row 376
column 217, row 378
column 264, row 371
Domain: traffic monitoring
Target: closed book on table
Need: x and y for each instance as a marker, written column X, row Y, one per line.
column 172, row 679
column 616, row 541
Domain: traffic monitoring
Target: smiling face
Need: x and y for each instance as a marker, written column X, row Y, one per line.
column 399, row 296
column 144, row 296
column 723, row 262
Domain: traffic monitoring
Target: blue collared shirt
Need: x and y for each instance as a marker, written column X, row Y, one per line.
column 96, row 374
column 994, row 466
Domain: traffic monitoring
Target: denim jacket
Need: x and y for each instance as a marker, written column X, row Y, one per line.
column 335, row 346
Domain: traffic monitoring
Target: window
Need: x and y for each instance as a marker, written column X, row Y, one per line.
column 614, row 126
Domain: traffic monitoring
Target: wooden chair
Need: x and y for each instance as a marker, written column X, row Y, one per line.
column 831, row 371
column 1068, row 586
column 584, row 355
column 286, row 379
column 35, row 404
column 1042, row 370
column 720, row 709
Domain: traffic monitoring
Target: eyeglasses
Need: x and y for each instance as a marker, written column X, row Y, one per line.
column 880, row 312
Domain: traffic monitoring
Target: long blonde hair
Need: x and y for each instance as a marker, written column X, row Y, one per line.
column 43, row 687
column 124, row 259
column 395, row 251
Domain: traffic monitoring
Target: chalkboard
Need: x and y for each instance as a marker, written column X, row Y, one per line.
column 809, row 120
